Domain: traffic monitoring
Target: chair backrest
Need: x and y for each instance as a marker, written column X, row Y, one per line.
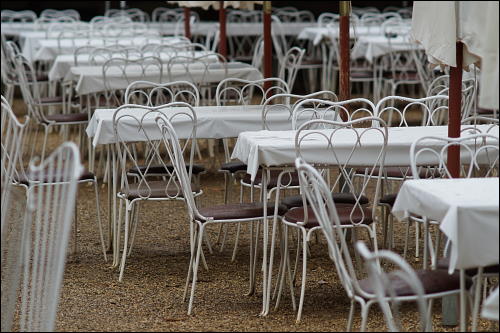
column 478, row 155
column 295, row 16
column 45, row 22
column 285, row 103
column 131, row 70
column 71, row 37
column 258, row 53
column 280, row 43
column 405, row 13
column 135, row 14
column 170, row 143
column 199, row 70
column 399, row 111
column 311, row 109
column 290, row 64
column 244, row 16
column 98, row 22
column 54, row 13
column 234, row 91
column 142, row 117
column 328, row 19
column 127, row 29
column 100, row 55
column 12, row 139
column 18, row 16
column 9, row 51
column 359, row 11
column 154, row 94
column 345, row 147
column 30, row 89
column 162, row 14
column 47, row 227
column 384, row 287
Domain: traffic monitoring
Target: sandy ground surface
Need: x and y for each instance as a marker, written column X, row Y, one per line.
column 150, row 296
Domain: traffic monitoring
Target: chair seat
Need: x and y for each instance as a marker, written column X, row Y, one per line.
column 51, row 100
column 233, row 166
column 160, row 169
column 433, row 281
column 240, row 211
column 155, row 189
column 272, row 181
column 398, row 172
column 36, row 177
column 364, row 215
column 68, row 118
column 361, row 75
column 296, row 200
column 402, row 76
column 444, row 263
column 388, row 199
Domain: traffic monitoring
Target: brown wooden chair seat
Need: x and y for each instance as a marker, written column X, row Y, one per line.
column 240, row 211
column 296, row 215
column 36, row 177
column 233, row 166
column 388, row 199
column 398, row 172
column 272, row 181
column 155, row 189
column 433, row 281
column 68, row 118
column 362, row 75
column 160, row 169
column 296, row 200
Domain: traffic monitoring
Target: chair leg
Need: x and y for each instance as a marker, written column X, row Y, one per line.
column 350, row 317
column 125, row 240
column 365, row 309
column 477, row 298
column 304, row 273
column 99, row 224
column 407, row 237
column 195, row 268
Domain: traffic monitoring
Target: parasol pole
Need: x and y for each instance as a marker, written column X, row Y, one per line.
column 187, row 22
column 344, row 77
column 268, row 46
column 222, row 32
column 454, row 111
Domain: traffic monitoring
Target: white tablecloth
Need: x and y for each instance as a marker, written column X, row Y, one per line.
column 63, row 63
column 49, row 50
column 214, row 122
column 90, row 78
column 467, row 210
column 490, row 306
column 371, row 47
column 275, row 148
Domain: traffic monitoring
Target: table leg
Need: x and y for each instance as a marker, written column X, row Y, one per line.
column 265, row 298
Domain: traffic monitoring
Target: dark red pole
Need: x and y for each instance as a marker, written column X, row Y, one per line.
column 268, row 45
column 187, row 22
column 222, row 26
column 454, row 112
column 345, row 71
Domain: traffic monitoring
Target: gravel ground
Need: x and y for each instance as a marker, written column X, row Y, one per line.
column 150, row 296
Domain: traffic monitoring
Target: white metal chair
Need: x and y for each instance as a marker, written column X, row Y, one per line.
column 290, row 65
column 366, row 292
column 23, row 16
column 352, row 203
column 160, row 14
column 54, row 13
column 153, row 176
column 135, row 14
column 201, row 218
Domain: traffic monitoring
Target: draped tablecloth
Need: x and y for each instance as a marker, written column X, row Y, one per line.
column 490, row 306
column 277, row 148
column 90, row 79
column 467, row 209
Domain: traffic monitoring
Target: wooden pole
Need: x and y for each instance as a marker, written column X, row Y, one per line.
column 268, row 45
column 187, row 22
column 454, row 112
column 222, row 27
column 345, row 71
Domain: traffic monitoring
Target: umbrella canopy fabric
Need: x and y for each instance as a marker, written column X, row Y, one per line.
column 247, row 5
column 438, row 25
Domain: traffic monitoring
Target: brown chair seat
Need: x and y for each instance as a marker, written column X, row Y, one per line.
column 296, row 215
column 399, row 76
column 388, row 199
column 444, row 263
column 397, row 172
column 51, row 100
column 433, row 281
column 160, row 169
column 361, row 75
column 233, row 166
column 36, row 177
column 240, row 211
column 156, row 189
column 272, row 181
column 296, row 200
column 68, row 118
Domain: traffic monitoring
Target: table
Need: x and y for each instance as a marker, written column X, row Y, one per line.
column 63, row 63
column 277, row 148
column 213, row 122
column 90, row 79
column 49, row 48
column 371, row 47
column 467, row 210
column 274, row 149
